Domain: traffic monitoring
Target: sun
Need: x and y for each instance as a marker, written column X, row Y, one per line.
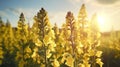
column 101, row 20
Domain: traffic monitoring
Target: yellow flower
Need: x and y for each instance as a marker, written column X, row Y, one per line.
column 21, row 63
column 69, row 61
column 34, row 55
column 47, row 39
column 56, row 63
column 98, row 54
column 48, row 54
column 28, row 50
column 98, row 60
column 38, row 43
column 81, row 65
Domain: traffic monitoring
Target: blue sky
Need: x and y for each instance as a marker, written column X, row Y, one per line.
column 57, row 9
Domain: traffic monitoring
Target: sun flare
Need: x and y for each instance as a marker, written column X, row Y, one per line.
column 101, row 20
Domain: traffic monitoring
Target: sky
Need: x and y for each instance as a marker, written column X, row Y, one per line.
column 57, row 10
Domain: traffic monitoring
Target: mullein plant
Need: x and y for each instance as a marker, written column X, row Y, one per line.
column 90, row 40
column 95, row 42
column 2, row 31
column 59, row 50
column 22, row 47
column 44, row 45
column 69, row 44
column 8, row 47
